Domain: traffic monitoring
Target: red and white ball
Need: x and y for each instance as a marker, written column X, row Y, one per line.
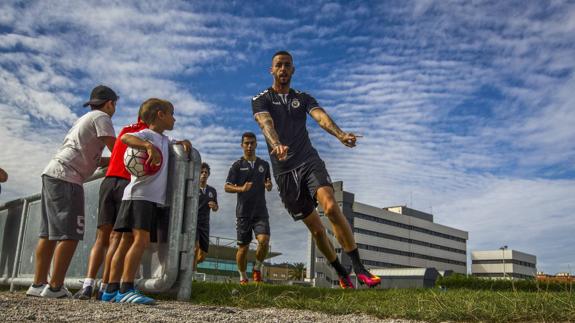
column 135, row 162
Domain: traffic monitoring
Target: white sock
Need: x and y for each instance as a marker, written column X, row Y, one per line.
column 243, row 275
column 88, row 282
column 258, row 265
column 103, row 287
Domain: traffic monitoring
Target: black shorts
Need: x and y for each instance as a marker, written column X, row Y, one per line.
column 298, row 187
column 245, row 227
column 203, row 236
column 144, row 215
column 111, row 192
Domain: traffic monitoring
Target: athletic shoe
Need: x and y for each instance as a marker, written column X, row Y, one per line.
column 135, row 297
column 109, row 297
column 244, row 282
column 345, row 282
column 35, row 291
column 63, row 292
column 368, row 279
column 84, row 293
column 257, row 276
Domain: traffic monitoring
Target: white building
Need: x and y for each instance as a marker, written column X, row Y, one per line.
column 394, row 237
column 503, row 263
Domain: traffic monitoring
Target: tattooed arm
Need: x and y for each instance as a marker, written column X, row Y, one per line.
column 327, row 124
column 266, row 123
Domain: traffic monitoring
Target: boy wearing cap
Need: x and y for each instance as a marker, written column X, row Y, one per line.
column 62, row 206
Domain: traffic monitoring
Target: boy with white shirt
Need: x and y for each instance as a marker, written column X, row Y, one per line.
column 62, row 222
column 142, row 199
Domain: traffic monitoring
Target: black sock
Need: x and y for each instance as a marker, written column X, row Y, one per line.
column 38, row 285
column 112, row 287
column 124, row 287
column 356, row 261
column 341, row 272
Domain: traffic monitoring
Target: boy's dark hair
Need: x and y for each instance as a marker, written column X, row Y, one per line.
column 248, row 134
column 205, row 166
column 282, row 52
column 150, row 108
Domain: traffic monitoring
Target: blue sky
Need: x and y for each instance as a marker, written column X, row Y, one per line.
column 466, row 108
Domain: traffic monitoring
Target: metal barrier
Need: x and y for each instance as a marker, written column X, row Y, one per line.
column 166, row 267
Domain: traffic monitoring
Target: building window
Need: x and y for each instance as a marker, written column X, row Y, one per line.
column 500, row 261
column 408, row 227
column 417, row 242
column 409, row 254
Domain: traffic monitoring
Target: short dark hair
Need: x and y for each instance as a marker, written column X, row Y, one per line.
column 149, row 109
column 248, row 134
column 205, row 166
column 282, row 52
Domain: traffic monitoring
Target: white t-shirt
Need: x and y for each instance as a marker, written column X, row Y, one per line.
column 151, row 187
column 80, row 153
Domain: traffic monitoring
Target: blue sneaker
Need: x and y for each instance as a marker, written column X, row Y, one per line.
column 109, row 297
column 135, row 297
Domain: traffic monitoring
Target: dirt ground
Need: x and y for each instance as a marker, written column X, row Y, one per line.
column 17, row 307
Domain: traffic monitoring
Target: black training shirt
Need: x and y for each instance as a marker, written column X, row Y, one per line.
column 206, row 195
column 253, row 202
column 290, row 124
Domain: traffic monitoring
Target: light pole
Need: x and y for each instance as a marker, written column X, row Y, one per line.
column 503, row 248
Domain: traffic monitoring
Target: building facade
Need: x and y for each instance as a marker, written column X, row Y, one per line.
column 503, row 263
column 393, row 237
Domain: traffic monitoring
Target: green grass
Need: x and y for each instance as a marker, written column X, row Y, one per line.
column 419, row 304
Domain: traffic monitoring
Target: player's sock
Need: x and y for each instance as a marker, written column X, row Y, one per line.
column 125, row 287
column 103, row 287
column 341, row 271
column 88, row 282
column 258, row 265
column 112, row 287
column 356, row 261
column 243, row 275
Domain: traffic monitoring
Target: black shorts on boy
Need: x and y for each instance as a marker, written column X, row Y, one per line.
column 111, row 192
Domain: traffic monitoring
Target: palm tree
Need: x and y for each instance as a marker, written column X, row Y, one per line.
column 297, row 271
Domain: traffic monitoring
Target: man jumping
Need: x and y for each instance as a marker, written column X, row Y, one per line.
column 300, row 174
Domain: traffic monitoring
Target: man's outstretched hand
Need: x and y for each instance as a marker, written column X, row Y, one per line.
column 349, row 139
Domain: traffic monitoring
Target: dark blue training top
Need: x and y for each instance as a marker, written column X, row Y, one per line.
column 251, row 204
column 289, row 118
column 206, row 195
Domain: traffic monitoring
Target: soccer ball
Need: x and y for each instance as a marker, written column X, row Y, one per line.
column 135, row 162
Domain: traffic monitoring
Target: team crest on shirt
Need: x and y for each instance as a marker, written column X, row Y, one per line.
column 295, row 103
column 211, row 195
column 261, row 169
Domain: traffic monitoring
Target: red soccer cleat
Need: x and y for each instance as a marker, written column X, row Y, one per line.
column 257, row 276
column 345, row 282
column 368, row 279
column 243, row 282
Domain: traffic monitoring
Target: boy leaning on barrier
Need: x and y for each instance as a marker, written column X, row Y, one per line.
column 62, row 204
column 142, row 200
column 110, row 198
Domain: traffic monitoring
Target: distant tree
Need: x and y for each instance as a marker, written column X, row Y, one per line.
column 297, row 271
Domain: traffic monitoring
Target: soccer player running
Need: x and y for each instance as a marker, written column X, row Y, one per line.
column 208, row 201
column 249, row 177
column 300, row 174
